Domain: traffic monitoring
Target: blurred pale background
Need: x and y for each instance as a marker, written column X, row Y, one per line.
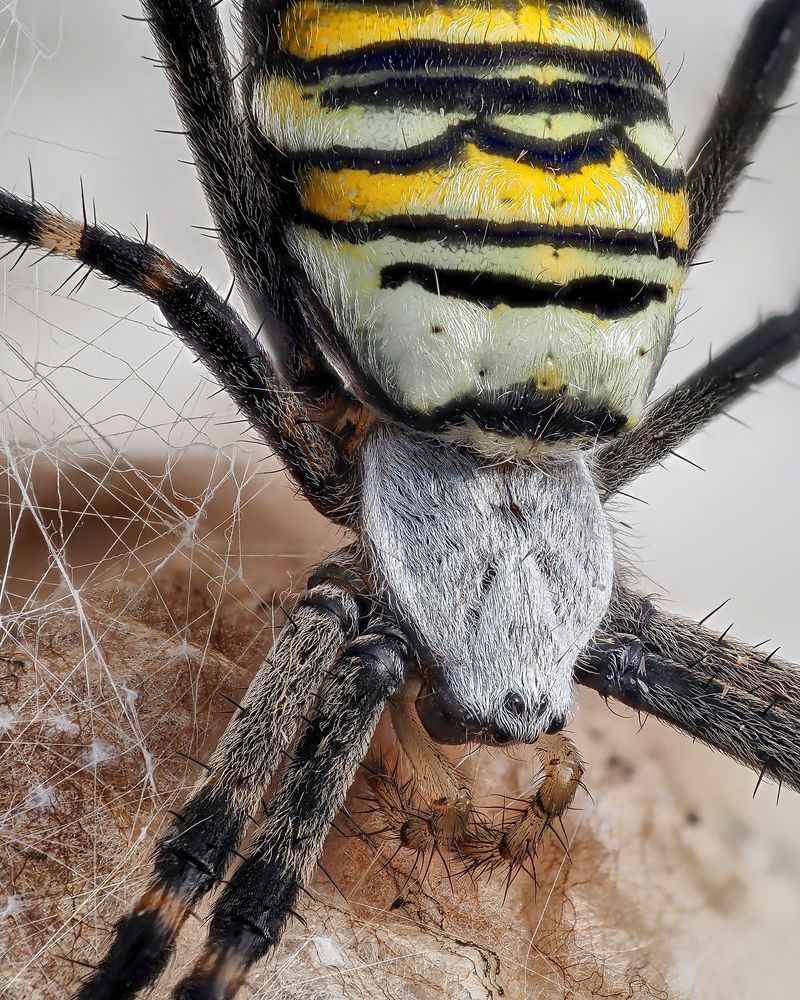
column 77, row 99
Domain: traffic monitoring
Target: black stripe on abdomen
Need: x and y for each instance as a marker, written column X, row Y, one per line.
column 428, row 57
column 466, row 95
column 605, row 297
column 444, row 230
column 564, row 156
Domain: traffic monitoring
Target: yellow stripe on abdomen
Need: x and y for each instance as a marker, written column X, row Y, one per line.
column 487, row 187
column 313, row 30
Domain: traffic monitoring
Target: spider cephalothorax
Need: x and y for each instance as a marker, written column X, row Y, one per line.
column 501, row 574
column 465, row 227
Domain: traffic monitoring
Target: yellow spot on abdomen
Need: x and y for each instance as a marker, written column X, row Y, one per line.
column 549, row 377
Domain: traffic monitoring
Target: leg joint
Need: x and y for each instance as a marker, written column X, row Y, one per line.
column 339, row 591
column 386, row 650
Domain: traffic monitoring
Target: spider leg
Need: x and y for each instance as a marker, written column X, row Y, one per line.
column 212, row 330
column 517, row 839
column 688, row 407
column 448, row 822
column 194, row 853
column 733, row 697
column 252, row 911
column 758, row 77
column 190, row 39
column 240, row 194
column 760, row 72
column 445, row 816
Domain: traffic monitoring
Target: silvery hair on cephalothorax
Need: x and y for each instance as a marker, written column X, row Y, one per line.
column 501, row 571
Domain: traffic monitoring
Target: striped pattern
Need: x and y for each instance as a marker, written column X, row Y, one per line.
column 489, row 198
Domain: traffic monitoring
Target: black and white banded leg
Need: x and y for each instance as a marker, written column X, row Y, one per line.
column 211, row 328
column 262, row 894
column 742, row 701
column 195, row 852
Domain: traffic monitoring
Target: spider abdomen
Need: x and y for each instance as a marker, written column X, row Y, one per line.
column 488, row 198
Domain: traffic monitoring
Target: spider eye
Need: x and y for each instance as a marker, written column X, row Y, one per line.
column 557, row 725
column 514, row 704
column 448, row 720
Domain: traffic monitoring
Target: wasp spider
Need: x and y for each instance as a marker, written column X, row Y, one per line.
column 465, row 225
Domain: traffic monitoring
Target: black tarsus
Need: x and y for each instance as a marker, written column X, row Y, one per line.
column 196, row 851
column 190, row 860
